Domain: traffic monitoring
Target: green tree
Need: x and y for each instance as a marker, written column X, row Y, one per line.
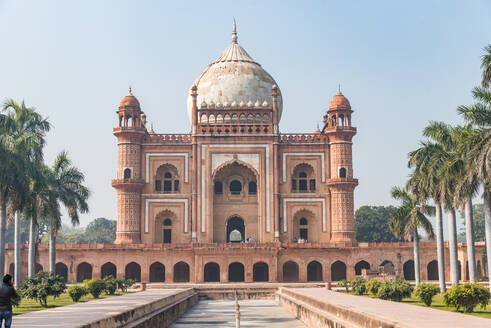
column 101, row 231
column 477, row 150
column 486, row 67
column 372, row 224
column 22, row 133
column 407, row 219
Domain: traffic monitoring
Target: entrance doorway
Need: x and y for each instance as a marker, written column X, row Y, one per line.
column 235, row 230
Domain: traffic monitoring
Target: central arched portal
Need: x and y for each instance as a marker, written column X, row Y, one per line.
column 235, row 230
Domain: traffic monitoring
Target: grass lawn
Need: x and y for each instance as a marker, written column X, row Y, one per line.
column 29, row 305
column 438, row 304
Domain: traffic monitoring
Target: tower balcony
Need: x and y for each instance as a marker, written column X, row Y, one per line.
column 132, row 185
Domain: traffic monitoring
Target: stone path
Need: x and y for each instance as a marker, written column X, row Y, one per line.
column 254, row 313
column 400, row 314
column 79, row 314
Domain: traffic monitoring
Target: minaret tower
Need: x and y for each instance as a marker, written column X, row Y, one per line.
column 337, row 126
column 129, row 182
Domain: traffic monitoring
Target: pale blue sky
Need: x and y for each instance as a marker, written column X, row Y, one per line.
column 400, row 63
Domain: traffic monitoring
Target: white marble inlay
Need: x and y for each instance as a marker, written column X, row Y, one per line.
column 147, row 163
column 322, row 200
column 167, row 200
column 322, row 155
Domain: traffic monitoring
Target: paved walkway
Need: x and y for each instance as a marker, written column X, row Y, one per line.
column 406, row 315
column 253, row 313
column 79, row 314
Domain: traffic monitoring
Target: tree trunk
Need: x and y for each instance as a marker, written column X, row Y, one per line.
column 417, row 269
column 487, row 225
column 440, row 247
column 452, row 245
column 52, row 250
column 31, row 266
column 469, row 233
column 17, row 249
column 3, row 225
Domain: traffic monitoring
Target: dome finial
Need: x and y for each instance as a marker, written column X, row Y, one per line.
column 129, row 91
column 339, row 89
column 234, row 33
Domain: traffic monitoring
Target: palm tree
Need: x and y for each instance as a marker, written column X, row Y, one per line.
column 477, row 151
column 407, row 219
column 22, row 132
column 424, row 183
column 68, row 189
column 486, row 67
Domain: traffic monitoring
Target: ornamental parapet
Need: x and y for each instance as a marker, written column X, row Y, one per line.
column 226, row 129
column 253, row 246
column 302, row 138
column 168, row 138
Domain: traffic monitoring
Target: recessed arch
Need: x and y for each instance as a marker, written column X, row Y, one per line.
column 133, row 271
column 388, row 267
column 84, row 271
column 432, row 270
column 108, row 269
column 181, row 272
column 338, row 271
column 360, row 266
column 260, row 272
column 61, row 270
column 408, row 269
column 236, row 272
column 157, row 272
column 235, row 227
column 314, row 271
column 211, row 272
column 290, row 271
column 303, row 178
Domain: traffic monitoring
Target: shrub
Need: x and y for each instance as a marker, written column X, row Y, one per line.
column 373, row 285
column 425, row 292
column 124, row 284
column 41, row 286
column 95, row 286
column 344, row 283
column 394, row 290
column 358, row 286
column 77, row 292
column 466, row 297
column 110, row 285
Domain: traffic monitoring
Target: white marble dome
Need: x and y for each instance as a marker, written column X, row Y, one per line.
column 234, row 77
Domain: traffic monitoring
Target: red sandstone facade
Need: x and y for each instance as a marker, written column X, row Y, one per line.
column 187, row 203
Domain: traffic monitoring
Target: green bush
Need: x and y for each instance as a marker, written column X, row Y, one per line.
column 425, row 292
column 95, row 286
column 41, row 286
column 111, row 285
column 124, row 284
column 358, row 286
column 394, row 290
column 77, row 292
column 372, row 286
column 344, row 283
column 466, row 297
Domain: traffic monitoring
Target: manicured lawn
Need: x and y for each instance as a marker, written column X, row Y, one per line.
column 438, row 304
column 28, row 305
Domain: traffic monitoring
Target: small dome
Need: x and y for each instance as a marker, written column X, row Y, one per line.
column 129, row 101
column 339, row 102
column 265, row 104
column 257, row 104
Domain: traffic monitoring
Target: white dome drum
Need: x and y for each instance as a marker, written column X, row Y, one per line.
column 234, row 78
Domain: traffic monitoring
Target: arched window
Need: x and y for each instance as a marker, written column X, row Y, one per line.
column 218, row 188
column 303, row 179
column 252, row 188
column 167, row 179
column 127, row 173
column 342, row 172
column 303, row 229
column 167, row 231
column 235, row 187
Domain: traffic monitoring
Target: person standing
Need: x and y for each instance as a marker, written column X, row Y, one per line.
column 7, row 293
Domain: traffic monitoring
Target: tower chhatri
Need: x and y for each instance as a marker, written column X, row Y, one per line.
column 337, row 126
column 129, row 183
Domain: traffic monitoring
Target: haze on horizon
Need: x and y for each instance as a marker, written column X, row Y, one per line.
column 401, row 64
